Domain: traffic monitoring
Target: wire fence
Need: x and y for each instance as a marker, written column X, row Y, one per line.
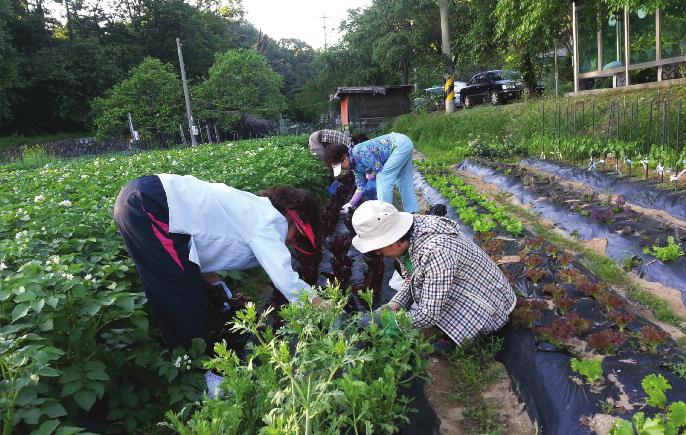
column 646, row 130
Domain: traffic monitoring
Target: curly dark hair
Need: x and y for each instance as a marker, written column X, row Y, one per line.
column 334, row 153
column 298, row 200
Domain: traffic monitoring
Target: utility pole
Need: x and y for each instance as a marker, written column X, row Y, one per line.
column 189, row 112
column 133, row 132
column 324, row 27
column 449, row 86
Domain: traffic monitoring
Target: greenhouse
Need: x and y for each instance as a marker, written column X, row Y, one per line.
column 627, row 47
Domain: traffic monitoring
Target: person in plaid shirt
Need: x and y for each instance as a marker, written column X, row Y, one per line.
column 448, row 281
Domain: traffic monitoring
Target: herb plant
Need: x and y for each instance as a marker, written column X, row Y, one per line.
column 320, row 373
column 607, row 341
column 651, row 337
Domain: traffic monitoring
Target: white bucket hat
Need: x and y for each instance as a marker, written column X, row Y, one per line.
column 378, row 224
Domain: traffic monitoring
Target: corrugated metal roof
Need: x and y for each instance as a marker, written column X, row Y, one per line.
column 374, row 90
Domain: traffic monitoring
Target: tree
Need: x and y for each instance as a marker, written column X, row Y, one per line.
column 239, row 81
column 9, row 66
column 152, row 94
column 531, row 26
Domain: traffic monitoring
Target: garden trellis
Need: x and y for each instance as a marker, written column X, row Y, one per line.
column 645, row 132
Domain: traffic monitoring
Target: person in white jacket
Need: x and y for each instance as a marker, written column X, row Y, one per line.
column 178, row 229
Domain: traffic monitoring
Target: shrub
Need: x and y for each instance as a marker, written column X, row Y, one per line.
column 316, row 374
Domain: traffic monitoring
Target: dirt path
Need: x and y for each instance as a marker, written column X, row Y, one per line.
column 511, row 413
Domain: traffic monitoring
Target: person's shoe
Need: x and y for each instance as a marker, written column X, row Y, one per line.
column 443, row 346
column 213, row 383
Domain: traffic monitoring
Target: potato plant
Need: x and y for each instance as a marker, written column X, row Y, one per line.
column 74, row 330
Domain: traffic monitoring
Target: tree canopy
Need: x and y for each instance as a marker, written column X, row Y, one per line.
column 52, row 69
column 151, row 93
column 240, row 81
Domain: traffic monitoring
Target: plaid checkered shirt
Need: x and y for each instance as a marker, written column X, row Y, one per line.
column 335, row 137
column 454, row 284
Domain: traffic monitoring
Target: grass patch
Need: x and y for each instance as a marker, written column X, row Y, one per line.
column 436, row 134
column 603, row 267
column 474, row 368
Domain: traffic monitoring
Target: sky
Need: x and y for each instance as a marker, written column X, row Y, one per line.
column 300, row 19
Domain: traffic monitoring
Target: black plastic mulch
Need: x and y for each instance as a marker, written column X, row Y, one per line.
column 541, row 373
column 627, row 232
column 642, row 192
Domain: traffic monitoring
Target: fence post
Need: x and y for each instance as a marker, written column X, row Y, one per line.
column 650, row 136
column 183, row 136
column 678, row 144
column 216, row 133
column 209, row 136
column 593, row 117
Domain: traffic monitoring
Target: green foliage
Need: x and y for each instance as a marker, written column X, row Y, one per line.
column 320, row 373
column 655, row 387
column 660, row 424
column 473, row 368
column 467, row 201
column 679, row 368
column 591, row 369
column 669, row 252
column 151, row 93
column 74, row 324
column 446, row 138
column 239, row 81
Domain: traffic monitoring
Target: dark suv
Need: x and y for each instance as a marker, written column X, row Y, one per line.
column 496, row 87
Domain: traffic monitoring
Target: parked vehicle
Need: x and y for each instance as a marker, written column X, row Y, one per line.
column 496, row 87
column 434, row 97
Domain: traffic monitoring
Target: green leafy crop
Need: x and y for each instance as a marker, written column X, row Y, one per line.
column 655, row 386
column 591, row 369
column 74, row 329
column 670, row 252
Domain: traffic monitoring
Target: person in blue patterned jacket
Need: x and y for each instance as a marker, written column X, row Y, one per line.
column 387, row 159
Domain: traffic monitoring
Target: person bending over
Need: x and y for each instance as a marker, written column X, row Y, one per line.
column 448, row 281
column 387, row 159
column 180, row 230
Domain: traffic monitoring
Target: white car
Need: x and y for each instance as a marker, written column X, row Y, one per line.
column 438, row 90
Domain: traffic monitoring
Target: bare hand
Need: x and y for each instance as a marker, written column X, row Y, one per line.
column 317, row 301
column 393, row 306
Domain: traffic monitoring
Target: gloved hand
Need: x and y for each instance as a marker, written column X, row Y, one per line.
column 333, row 187
column 224, row 286
column 347, row 208
column 369, row 191
column 383, row 318
column 213, row 383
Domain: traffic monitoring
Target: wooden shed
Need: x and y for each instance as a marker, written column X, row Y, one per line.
column 372, row 105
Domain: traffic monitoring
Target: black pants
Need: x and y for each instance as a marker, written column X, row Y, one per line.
column 173, row 284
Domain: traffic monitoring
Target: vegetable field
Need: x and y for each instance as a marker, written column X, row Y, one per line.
column 75, row 340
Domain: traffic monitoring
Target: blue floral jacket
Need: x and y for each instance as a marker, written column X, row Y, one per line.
column 368, row 158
